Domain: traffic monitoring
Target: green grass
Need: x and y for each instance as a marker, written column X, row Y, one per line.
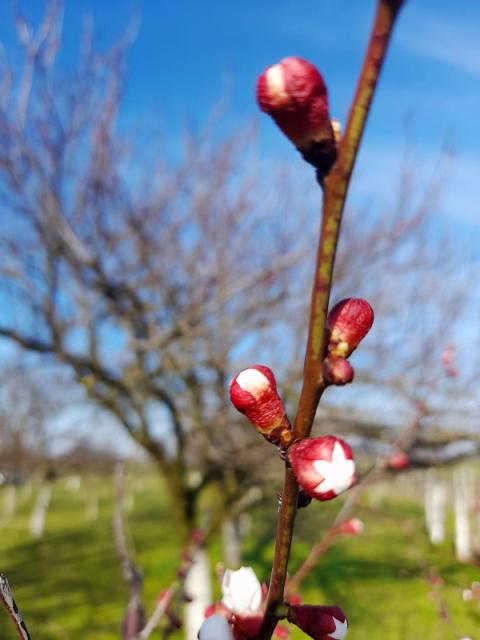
column 69, row 586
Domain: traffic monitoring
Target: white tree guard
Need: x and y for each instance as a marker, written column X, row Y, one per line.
column 197, row 587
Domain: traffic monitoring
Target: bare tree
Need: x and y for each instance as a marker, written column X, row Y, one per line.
column 145, row 283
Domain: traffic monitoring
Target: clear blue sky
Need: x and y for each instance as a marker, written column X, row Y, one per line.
column 189, row 53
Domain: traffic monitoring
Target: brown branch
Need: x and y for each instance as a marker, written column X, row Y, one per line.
column 335, row 193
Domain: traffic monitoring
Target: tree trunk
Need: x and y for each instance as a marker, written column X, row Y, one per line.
column 435, row 502
column 9, row 502
column 462, row 499
column 198, row 588
column 37, row 519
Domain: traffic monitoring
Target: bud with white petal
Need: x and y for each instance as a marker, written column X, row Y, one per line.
column 351, row 527
column 242, row 592
column 253, row 392
column 323, row 467
column 294, row 94
column 320, row 623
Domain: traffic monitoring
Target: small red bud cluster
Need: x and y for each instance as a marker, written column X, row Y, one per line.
column 347, row 324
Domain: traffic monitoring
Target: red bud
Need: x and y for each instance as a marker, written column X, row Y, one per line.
column 348, row 323
column 398, row 461
column 323, row 467
column 294, row 94
column 337, row 371
column 247, row 626
column 320, row 623
column 253, row 392
column 352, row 527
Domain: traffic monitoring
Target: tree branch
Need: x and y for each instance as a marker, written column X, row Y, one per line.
column 335, row 193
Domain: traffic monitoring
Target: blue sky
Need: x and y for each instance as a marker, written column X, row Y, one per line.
column 190, row 53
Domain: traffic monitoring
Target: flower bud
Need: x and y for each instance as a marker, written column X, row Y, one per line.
column 320, row 623
column 215, row 627
column 352, row 527
column 398, row 461
column 253, row 392
column 323, row 467
column 294, row 94
column 348, row 323
column 245, row 627
column 242, row 592
column 448, row 354
column 337, row 371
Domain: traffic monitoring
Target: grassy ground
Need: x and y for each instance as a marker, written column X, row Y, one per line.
column 68, row 583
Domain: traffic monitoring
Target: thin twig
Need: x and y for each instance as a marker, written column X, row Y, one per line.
column 134, row 615
column 160, row 609
column 335, row 193
column 6, row 596
column 405, row 441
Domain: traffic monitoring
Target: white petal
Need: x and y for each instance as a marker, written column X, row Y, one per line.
column 242, row 592
column 337, row 475
column 338, row 454
column 340, row 629
column 253, row 381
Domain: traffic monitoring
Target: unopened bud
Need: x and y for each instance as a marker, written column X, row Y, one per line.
column 323, row 467
column 337, row 371
column 448, row 354
column 282, row 632
column 253, row 392
column 245, row 627
column 397, row 461
column 242, row 591
column 320, row 623
column 352, row 527
column 348, row 323
column 294, row 94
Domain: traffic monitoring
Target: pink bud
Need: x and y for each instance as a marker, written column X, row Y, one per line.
column 294, row 94
column 323, row 467
column 253, row 392
column 448, row 354
column 337, row 371
column 348, row 323
column 197, row 536
column 398, row 460
column 352, row 527
column 452, row 372
column 282, row 632
column 320, row 623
